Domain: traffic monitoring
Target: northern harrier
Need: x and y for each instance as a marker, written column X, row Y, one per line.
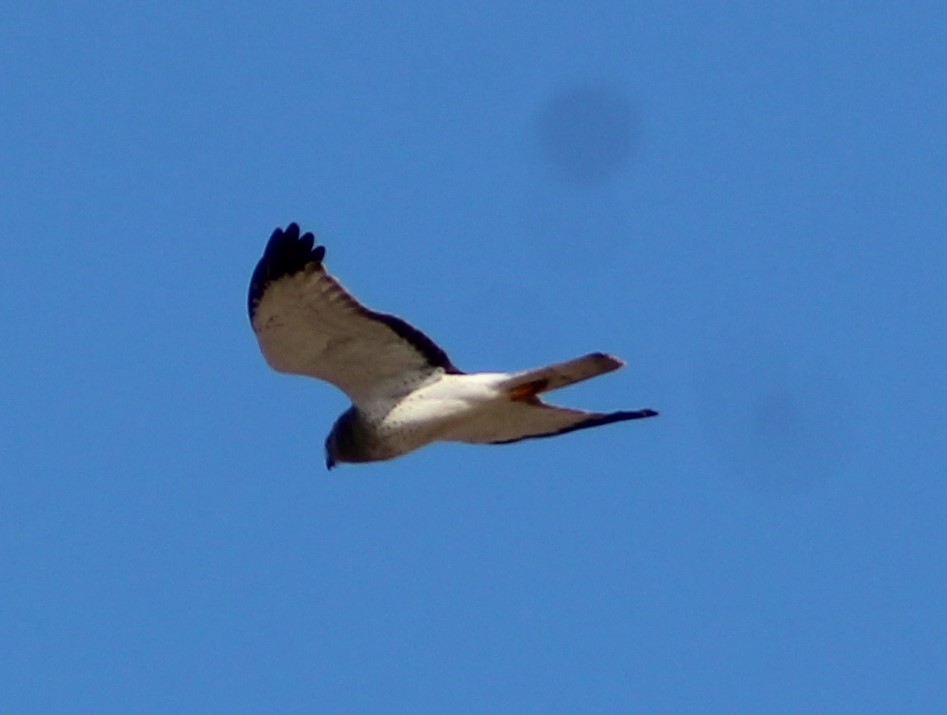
column 405, row 391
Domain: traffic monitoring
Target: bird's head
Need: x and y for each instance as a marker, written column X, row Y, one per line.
column 347, row 441
column 339, row 443
column 331, row 449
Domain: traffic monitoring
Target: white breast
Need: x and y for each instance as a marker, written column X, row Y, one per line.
column 431, row 412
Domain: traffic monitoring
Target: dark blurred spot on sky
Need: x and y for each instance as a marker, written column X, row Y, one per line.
column 587, row 132
column 775, row 421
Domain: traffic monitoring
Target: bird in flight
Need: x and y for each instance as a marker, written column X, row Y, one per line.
column 405, row 391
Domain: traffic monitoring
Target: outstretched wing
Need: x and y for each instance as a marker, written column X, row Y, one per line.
column 308, row 324
column 532, row 418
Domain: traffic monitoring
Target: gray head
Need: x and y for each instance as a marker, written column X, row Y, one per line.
column 350, row 440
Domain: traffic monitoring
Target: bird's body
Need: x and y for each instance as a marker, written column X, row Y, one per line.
column 436, row 411
column 406, row 392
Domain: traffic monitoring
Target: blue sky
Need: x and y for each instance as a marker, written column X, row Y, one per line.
column 745, row 201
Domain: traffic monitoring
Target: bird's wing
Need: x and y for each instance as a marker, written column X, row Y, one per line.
column 516, row 420
column 308, row 324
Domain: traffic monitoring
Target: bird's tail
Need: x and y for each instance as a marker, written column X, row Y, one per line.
column 526, row 416
column 525, row 386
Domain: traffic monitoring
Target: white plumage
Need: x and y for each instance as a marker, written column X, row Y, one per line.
column 405, row 391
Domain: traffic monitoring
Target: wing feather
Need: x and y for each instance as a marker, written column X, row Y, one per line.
column 514, row 421
column 308, row 324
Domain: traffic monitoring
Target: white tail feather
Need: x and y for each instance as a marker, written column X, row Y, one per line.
column 553, row 377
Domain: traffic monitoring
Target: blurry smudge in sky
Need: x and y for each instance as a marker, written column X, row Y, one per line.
column 775, row 418
column 587, row 131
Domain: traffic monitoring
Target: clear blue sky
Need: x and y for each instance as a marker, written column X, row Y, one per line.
column 747, row 202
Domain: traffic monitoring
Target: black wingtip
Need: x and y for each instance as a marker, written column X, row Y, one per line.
column 611, row 417
column 595, row 420
column 287, row 252
column 637, row 414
